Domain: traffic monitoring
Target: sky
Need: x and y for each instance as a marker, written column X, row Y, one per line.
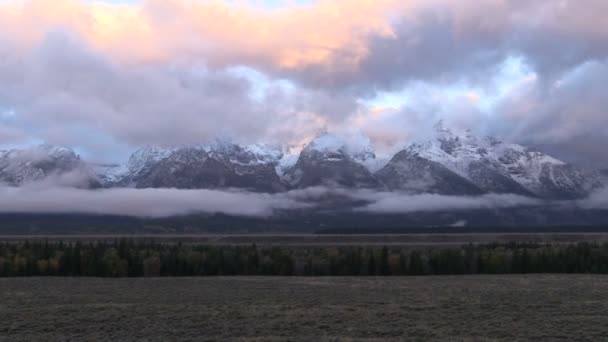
column 105, row 77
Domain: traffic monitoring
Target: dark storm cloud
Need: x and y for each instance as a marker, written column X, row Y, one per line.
column 566, row 117
column 445, row 40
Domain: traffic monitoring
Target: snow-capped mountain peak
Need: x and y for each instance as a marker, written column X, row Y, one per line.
column 333, row 160
column 146, row 156
column 358, row 147
column 40, row 153
column 55, row 151
column 266, row 153
column 110, row 173
column 452, row 161
column 326, row 143
column 219, row 145
column 37, row 163
column 496, row 166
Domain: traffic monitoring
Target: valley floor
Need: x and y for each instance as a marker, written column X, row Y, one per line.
column 505, row 307
column 287, row 239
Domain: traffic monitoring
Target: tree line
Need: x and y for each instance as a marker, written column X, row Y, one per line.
column 130, row 258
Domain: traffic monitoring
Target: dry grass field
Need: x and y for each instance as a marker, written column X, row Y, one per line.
column 455, row 308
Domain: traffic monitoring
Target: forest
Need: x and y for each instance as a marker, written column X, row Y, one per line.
column 130, row 258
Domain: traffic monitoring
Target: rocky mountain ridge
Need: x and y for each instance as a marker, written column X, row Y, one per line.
column 451, row 162
column 63, row 165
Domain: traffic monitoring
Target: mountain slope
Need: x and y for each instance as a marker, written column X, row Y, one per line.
column 494, row 166
column 217, row 166
column 328, row 161
column 409, row 172
column 451, row 162
column 45, row 162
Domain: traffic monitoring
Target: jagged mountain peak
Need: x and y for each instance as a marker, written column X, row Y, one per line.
column 334, row 147
column 497, row 166
column 56, row 151
column 441, row 130
column 452, row 161
column 38, row 163
column 333, row 160
column 326, row 144
column 455, row 143
column 221, row 145
column 146, row 155
column 41, row 152
column 452, row 140
column 226, row 149
column 268, row 153
column 227, row 166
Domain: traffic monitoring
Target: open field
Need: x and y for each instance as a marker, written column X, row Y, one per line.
column 458, row 239
column 539, row 307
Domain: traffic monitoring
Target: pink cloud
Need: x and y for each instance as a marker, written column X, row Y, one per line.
column 326, row 32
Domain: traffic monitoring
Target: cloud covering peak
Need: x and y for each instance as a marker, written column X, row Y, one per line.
column 104, row 77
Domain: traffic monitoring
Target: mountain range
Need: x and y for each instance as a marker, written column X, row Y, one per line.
column 452, row 162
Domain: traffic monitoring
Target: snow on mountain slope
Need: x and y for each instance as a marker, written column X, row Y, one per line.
column 38, row 163
column 409, row 172
column 452, row 162
column 286, row 163
column 139, row 163
column 110, row 173
column 331, row 160
column 244, row 160
column 146, row 156
column 222, row 153
column 500, row 167
column 327, row 143
column 265, row 153
column 357, row 147
column 225, row 166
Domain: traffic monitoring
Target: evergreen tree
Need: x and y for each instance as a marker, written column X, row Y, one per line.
column 371, row 264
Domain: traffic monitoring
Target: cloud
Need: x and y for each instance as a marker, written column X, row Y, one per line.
column 54, row 195
column 139, row 202
column 323, row 33
column 380, row 202
column 563, row 116
column 9, row 135
column 327, row 42
column 597, row 200
column 444, row 40
column 63, row 92
column 158, row 72
column 385, row 202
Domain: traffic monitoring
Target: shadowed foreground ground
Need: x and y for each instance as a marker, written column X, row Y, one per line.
column 540, row 307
